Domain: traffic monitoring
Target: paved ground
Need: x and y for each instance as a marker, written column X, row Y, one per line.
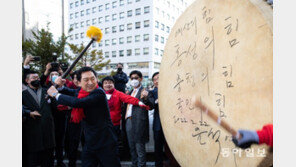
column 123, row 163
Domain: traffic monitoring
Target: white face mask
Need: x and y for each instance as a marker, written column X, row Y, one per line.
column 135, row 83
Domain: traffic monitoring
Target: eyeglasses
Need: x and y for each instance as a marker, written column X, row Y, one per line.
column 135, row 78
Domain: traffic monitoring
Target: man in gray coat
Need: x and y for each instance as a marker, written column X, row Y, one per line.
column 136, row 121
column 38, row 129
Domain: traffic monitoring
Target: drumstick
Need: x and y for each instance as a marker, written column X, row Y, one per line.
column 213, row 116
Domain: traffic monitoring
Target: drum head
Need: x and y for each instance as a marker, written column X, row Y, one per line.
column 220, row 52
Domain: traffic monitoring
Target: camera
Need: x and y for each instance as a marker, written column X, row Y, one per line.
column 36, row 58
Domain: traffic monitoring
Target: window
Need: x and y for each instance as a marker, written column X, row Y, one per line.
column 94, row 10
column 107, row 30
column 76, row 36
column 156, row 65
column 168, row 16
column 137, row 0
column 101, row 44
column 94, row 21
column 82, row 13
column 146, row 9
column 129, row 52
column 169, row 4
column 114, row 41
column 129, row 1
column 146, row 23
column 107, row 18
column 167, row 29
column 121, row 28
column 114, row 4
column 107, row 6
column 156, row 51
column 71, row 5
column 138, row 11
column 76, row 4
column 146, row 37
column 129, row 26
column 100, row 8
column 121, row 15
column 107, row 42
column 87, row 11
column 161, row 52
column 145, row 51
column 71, row 25
column 71, row 16
column 156, row 24
column 71, row 37
column 76, row 25
column 129, row 39
column 162, row 39
column 87, row 22
column 113, row 53
column 114, row 29
column 156, row 38
column 162, row 27
column 106, row 54
column 121, row 54
column 121, row 40
column 121, row 2
column 82, row 24
column 137, row 38
column 137, row 51
column 173, row 18
column 87, row 1
column 81, row 35
column 129, row 13
column 138, row 25
column 100, row 19
column 114, row 17
column 157, row 10
column 162, row 13
column 76, row 15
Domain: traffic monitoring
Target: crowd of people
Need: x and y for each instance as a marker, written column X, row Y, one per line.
column 59, row 114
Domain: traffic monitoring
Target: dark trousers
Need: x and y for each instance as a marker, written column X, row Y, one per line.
column 60, row 128
column 159, row 141
column 74, row 131
column 43, row 158
column 106, row 157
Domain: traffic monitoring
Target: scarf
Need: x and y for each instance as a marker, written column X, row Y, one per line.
column 77, row 114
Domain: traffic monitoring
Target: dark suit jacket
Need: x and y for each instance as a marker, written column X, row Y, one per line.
column 38, row 134
column 140, row 121
column 97, row 125
column 156, row 118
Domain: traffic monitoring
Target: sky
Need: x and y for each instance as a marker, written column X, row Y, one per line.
column 43, row 11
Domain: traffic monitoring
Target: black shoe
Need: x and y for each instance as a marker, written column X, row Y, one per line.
column 61, row 164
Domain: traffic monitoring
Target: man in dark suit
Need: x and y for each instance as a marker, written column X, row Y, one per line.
column 90, row 107
column 38, row 130
column 159, row 139
column 137, row 122
column 120, row 78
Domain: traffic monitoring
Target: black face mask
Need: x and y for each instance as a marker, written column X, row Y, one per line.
column 35, row 83
column 119, row 69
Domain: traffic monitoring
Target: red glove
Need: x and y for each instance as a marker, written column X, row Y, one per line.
column 142, row 105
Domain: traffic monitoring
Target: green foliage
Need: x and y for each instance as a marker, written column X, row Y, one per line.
column 44, row 46
column 91, row 58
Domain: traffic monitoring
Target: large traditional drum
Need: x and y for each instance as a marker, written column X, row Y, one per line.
column 220, row 52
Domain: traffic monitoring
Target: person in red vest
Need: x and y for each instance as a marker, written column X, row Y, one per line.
column 249, row 137
column 116, row 99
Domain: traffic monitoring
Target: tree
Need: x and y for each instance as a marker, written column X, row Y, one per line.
column 44, row 46
column 91, row 58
